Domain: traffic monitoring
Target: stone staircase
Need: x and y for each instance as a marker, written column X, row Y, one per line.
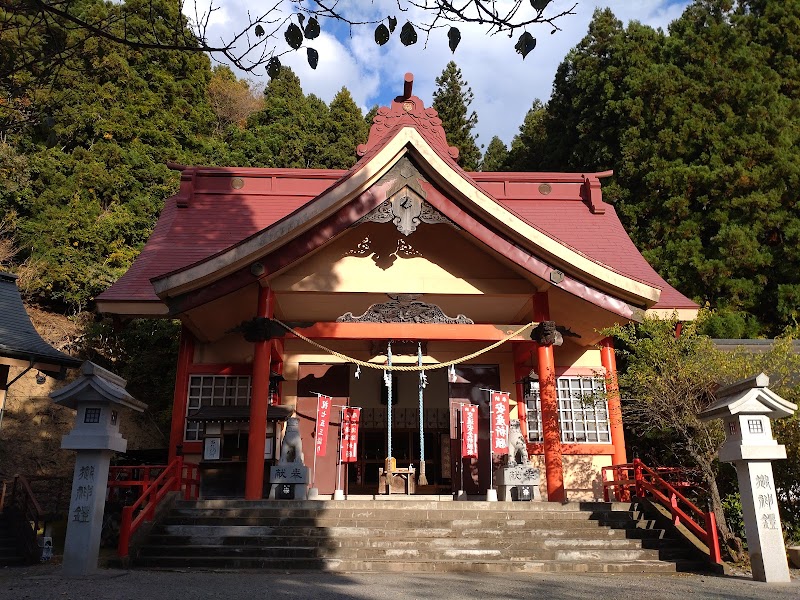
column 10, row 554
column 412, row 536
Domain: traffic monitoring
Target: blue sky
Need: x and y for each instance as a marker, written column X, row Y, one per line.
column 503, row 84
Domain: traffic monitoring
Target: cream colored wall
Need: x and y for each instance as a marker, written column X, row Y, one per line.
column 582, row 476
column 572, row 355
column 231, row 349
column 376, row 257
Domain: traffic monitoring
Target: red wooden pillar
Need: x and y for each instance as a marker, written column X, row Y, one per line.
column 259, row 397
column 551, row 431
column 181, row 392
column 609, row 362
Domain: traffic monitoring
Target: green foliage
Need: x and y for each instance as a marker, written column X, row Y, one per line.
column 729, row 324
column 701, row 128
column 89, row 165
column 495, row 156
column 84, row 162
column 145, row 353
column 451, row 100
column 732, row 505
column 530, row 140
column 345, row 131
column 293, row 130
column 668, row 380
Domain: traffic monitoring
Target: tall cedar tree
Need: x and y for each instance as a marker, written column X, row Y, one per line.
column 452, row 99
column 701, row 128
column 495, row 156
column 293, row 130
column 94, row 150
column 346, row 130
column 529, row 145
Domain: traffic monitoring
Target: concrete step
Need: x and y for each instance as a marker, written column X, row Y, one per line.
column 404, row 515
column 574, row 530
column 522, row 544
column 401, row 504
column 394, row 524
column 511, row 553
column 412, row 536
column 408, row 565
column 577, row 529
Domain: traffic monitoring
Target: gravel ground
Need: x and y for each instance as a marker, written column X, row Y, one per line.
column 46, row 583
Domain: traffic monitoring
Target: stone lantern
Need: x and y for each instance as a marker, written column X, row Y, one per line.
column 746, row 408
column 97, row 396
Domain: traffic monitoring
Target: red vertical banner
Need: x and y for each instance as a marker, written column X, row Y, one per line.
column 500, row 422
column 351, row 417
column 324, row 406
column 469, row 431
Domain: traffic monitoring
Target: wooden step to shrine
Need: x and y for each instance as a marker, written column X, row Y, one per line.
column 413, row 536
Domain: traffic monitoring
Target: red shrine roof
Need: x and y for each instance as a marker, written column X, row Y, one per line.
column 219, row 211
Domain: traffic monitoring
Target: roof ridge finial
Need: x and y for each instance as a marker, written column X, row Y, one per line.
column 407, row 110
column 408, row 84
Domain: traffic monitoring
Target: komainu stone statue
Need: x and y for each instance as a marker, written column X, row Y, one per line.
column 292, row 445
column 517, row 447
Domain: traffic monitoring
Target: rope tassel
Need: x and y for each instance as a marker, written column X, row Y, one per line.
column 423, row 382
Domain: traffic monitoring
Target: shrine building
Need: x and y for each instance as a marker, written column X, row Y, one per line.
column 284, row 278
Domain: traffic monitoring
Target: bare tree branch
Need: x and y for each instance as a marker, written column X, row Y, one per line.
column 173, row 25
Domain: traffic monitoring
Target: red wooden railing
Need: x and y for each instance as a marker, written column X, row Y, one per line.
column 175, row 477
column 642, row 480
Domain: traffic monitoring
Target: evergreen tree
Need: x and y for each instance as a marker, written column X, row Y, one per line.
column 346, row 130
column 451, row 100
column 701, row 129
column 495, row 156
column 292, row 130
column 529, row 147
column 95, row 148
column 368, row 118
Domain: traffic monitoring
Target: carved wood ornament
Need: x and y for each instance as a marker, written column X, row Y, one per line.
column 405, row 205
column 404, row 308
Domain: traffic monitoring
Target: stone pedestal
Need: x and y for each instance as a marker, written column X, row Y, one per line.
column 762, row 522
column 85, row 518
column 509, row 478
column 288, row 482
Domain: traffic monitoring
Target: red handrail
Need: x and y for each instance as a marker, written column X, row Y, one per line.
column 172, row 478
column 644, row 480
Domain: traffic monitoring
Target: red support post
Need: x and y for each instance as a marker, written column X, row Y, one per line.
column 254, row 477
column 125, row 531
column 609, row 362
column 712, row 539
column 178, row 475
column 548, row 397
column 638, row 477
column 673, row 508
column 181, row 392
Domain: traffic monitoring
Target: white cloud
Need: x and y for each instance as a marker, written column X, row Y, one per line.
column 503, row 84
